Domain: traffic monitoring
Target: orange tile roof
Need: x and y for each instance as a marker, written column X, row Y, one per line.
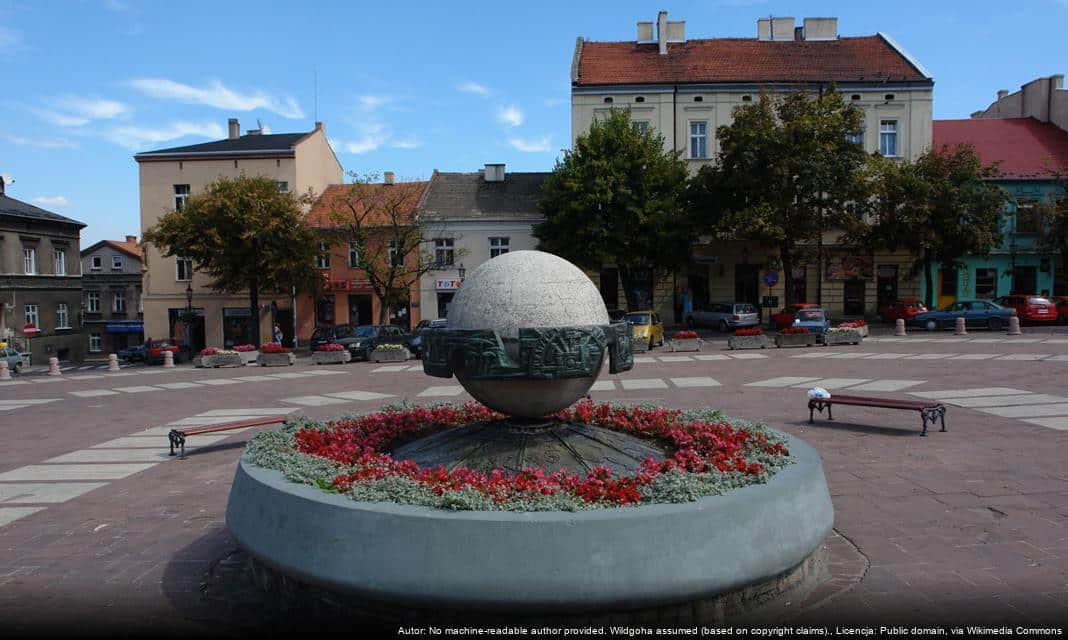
column 855, row 59
column 1024, row 147
column 402, row 196
column 132, row 248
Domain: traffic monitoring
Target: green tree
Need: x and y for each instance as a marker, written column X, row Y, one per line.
column 1053, row 218
column 617, row 197
column 246, row 235
column 786, row 172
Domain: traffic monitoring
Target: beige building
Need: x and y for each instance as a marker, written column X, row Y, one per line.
column 686, row 89
column 1044, row 99
column 299, row 162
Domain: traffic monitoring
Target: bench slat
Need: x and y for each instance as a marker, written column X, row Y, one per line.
column 178, row 435
column 887, row 403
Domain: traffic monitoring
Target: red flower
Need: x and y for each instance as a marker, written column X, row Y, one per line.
column 751, row 331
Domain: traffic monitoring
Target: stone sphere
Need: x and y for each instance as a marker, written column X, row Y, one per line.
column 526, row 289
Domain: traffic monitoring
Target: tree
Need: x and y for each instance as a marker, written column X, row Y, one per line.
column 245, row 234
column 1053, row 218
column 379, row 222
column 785, row 173
column 617, row 198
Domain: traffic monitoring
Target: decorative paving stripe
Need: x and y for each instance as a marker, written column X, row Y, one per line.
column 1056, row 341
column 687, row 383
column 45, row 492
column 785, row 381
column 390, row 368
column 247, row 412
column 11, row 514
column 254, row 379
column 314, row 401
column 712, row 357
column 12, row 407
column 832, row 383
column 1006, row 401
column 1024, row 356
column 25, row 402
column 969, row 393
column 441, row 391
column 747, row 356
column 1061, row 424
column 153, row 442
column 851, row 355
column 138, row 389
column 676, row 359
column 191, row 422
column 290, row 375
column 603, row 385
column 1029, row 411
column 179, row 385
column 114, row 455
column 932, row 356
column 895, row 339
column 45, row 472
column 887, row 385
column 974, row 356
column 1057, row 358
column 817, row 354
column 643, row 359
column 1023, row 340
column 359, row 395
column 643, row 383
column 219, row 381
column 92, row 393
column 326, row 372
column 988, row 340
column 11, row 383
column 889, row 356
column 43, row 380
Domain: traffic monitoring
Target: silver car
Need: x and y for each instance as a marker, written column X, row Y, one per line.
column 724, row 316
column 13, row 358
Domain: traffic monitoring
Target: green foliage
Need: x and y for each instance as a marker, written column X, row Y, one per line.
column 617, row 198
column 1053, row 218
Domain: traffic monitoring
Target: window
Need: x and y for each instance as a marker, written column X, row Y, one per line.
column 641, row 126
column 498, row 246
column 184, row 269
column 1026, row 217
column 116, row 262
column 31, row 314
column 354, row 255
column 181, row 194
column 395, row 257
column 322, row 260
column 92, row 301
column 986, row 283
column 118, row 302
column 283, row 186
column 698, row 139
column 888, row 138
column 608, row 100
column 29, row 261
column 96, row 342
column 857, row 138
column 62, row 319
column 59, row 258
column 96, row 262
column 443, row 252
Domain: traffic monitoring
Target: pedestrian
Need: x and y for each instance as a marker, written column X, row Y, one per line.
column 277, row 333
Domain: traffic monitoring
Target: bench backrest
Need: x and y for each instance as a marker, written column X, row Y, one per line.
column 888, row 403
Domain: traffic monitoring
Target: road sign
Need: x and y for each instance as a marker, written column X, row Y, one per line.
column 770, row 302
column 29, row 330
column 771, row 278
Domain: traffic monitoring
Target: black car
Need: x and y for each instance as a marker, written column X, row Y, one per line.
column 340, row 333
column 135, row 353
column 416, row 344
column 366, row 337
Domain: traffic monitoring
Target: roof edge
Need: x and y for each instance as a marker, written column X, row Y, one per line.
column 906, row 55
column 575, row 60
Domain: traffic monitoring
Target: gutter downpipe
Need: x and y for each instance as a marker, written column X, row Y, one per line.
column 674, row 147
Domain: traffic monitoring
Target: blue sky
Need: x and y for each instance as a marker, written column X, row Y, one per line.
column 402, row 86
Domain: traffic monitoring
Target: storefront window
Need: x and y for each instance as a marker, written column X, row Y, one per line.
column 986, row 283
column 237, row 327
column 324, row 311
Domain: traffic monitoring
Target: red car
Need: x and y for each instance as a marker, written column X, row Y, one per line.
column 901, row 309
column 1062, row 307
column 785, row 318
column 155, row 348
column 1030, row 307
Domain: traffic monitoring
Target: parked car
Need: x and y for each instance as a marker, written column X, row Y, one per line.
column 13, row 358
column 812, row 318
column 724, row 316
column 1030, row 307
column 785, row 318
column 366, row 337
column 135, row 353
column 976, row 313
column 416, row 344
column 616, row 315
column 154, row 351
column 646, row 327
column 340, row 333
column 901, row 309
column 1062, row 307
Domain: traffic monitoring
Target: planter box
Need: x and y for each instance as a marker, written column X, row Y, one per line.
column 862, row 330
column 639, row 346
column 248, row 356
column 795, row 339
column 686, row 344
column 747, row 342
column 276, row 359
column 843, row 336
column 331, row 357
column 389, row 356
column 222, row 360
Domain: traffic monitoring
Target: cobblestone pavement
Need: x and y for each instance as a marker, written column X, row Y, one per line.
column 98, row 524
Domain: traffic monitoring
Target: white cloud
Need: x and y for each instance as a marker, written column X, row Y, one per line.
column 77, row 111
column 51, row 201
column 510, row 115
column 9, row 38
column 42, row 143
column 372, row 103
column 372, row 137
column 217, row 95
column 537, row 145
column 138, row 138
column 407, row 142
column 474, row 87
column 265, row 129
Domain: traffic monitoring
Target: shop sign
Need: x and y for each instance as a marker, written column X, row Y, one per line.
column 842, row 265
column 360, row 285
column 237, row 313
column 124, row 326
column 447, row 284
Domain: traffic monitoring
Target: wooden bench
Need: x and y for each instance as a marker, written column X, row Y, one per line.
column 929, row 410
column 178, row 436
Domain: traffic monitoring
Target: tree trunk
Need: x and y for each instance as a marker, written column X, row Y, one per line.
column 928, row 278
column 787, row 275
column 383, row 308
column 254, row 309
column 627, row 278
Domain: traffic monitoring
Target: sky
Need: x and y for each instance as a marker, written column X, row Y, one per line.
column 402, row 86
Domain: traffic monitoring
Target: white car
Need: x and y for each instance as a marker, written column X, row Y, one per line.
column 724, row 316
column 13, row 358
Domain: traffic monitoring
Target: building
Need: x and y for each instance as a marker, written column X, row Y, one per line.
column 299, row 162
column 469, row 218
column 40, row 281
column 111, row 282
column 384, row 214
column 686, row 88
column 1030, row 154
column 1044, row 99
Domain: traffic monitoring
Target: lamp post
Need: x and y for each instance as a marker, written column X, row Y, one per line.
column 189, row 315
column 462, row 272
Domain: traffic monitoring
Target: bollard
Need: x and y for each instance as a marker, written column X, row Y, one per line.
column 961, row 329
column 899, row 328
column 53, row 367
column 1014, row 326
column 168, row 359
column 4, row 373
column 113, row 363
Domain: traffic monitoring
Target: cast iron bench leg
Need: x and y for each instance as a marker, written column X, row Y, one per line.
column 942, row 416
column 923, row 414
column 810, row 409
column 177, row 439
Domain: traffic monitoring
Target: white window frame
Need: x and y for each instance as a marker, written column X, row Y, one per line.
column 32, row 316
column 859, row 138
column 283, row 186
column 92, row 302
column 96, row 343
column 444, row 252
column 116, row 262
column 62, row 316
column 178, row 262
column 96, row 263
column 181, row 194
column 498, row 245
column 641, row 126
column 354, row 255
column 29, row 261
column 322, row 259
column 701, row 139
column 889, row 130
column 118, row 302
column 59, row 262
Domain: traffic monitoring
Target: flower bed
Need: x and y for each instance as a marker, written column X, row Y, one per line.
column 860, row 325
column 842, row 336
column 214, row 357
column 749, row 331
column 331, row 353
column 389, row 353
column 706, row 455
column 273, row 354
column 795, row 337
column 684, row 335
column 686, row 341
column 249, row 353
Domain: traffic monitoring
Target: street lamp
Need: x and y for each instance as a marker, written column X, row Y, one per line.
column 189, row 314
column 462, row 271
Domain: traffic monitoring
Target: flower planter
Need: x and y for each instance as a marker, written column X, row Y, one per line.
column 747, row 342
column 686, row 344
column 390, row 355
column 248, row 356
column 221, row 360
column 639, row 346
column 276, row 359
column 331, row 357
column 795, row 339
column 842, row 336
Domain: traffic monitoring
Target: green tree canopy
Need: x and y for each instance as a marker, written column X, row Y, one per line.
column 1053, row 218
column 617, row 197
column 245, row 234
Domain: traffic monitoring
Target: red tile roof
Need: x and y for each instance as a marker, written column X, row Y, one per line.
column 131, row 248
column 400, row 196
column 1024, row 147
column 859, row 59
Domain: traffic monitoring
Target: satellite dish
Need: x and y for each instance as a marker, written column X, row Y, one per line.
column 6, row 177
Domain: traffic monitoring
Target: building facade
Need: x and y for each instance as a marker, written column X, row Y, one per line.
column 40, row 281
column 1044, row 99
column 686, row 89
column 469, row 218
column 112, row 303
column 300, row 162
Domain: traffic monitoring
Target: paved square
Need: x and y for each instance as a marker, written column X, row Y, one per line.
column 444, row 391
column 651, row 383
column 689, row 383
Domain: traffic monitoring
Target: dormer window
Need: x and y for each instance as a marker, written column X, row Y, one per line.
column 640, row 99
column 747, row 98
column 96, row 262
column 608, row 100
column 889, row 97
column 698, row 99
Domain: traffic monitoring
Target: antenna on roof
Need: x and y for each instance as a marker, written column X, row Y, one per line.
column 315, row 93
column 259, row 125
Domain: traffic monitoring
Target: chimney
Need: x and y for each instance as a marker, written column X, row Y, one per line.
column 131, row 239
column 661, row 32
column 494, row 172
column 645, row 33
column 764, row 29
column 388, row 177
column 319, row 126
column 1002, row 93
column 782, row 29
column 235, row 129
column 820, row 29
column 253, row 132
column 1, row 185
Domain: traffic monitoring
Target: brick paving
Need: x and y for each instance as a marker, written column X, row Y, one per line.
column 963, row 527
